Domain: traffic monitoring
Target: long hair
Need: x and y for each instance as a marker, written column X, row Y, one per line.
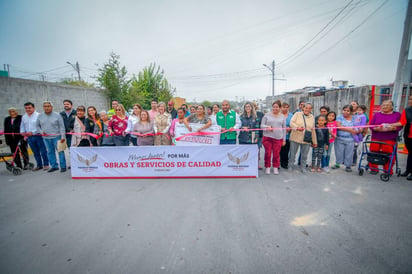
column 96, row 116
column 252, row 111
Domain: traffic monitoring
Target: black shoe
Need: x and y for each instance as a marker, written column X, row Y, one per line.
column 348, row 169
column 373, row 172
column 409, row 178
column 52, row 169
column 405, row 174
column 63, row 170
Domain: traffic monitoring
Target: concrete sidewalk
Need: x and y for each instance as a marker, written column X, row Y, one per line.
column 290, row 223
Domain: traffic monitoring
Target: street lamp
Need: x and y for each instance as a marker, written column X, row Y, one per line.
column 272, row 69
column 76, row 67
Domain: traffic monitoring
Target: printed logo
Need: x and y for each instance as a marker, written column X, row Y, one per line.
column 238, row 160
column 87, row 162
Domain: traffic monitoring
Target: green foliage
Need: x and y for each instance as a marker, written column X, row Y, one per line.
column 72, row 82
column 151, row 84
column 112, row 77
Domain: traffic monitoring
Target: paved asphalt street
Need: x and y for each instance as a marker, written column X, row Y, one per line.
column 290, row 223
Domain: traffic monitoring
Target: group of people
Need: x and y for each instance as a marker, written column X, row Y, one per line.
column 285, row 136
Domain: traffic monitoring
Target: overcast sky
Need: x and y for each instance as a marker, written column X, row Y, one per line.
column 209, row 50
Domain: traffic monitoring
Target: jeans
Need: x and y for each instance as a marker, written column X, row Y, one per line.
column 344, row 151
column 39, row 150
column 317, row 153
column 228, row 142
column 134, row 141
column 121, row 140
column 51, row 146
column 304, row 150
column 326, row 156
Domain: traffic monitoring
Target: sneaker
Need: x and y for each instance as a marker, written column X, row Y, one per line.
column 53, row 169
column 348, row 169
column 409, row 178
column 326, row 169
column 267, row 170
column 63, row 170
column 37, row 168
column 336, row 166
column 275, row 171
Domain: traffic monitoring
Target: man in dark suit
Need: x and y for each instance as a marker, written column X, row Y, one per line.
column 13, row 136
column 68, row 115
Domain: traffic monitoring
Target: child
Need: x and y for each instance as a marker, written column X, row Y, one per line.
column 358, row 120
column 322, row 135
column 331, row 124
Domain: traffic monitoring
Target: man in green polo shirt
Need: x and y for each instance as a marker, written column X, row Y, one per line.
column 228, row 120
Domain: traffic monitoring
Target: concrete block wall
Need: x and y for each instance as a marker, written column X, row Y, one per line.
column 15, row 92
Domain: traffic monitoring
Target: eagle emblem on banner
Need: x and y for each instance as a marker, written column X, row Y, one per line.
column 238, row 160
column 86, row 161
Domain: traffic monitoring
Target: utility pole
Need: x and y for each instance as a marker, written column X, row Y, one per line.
column 76, row 67
column 403, row 57
column 272, row 69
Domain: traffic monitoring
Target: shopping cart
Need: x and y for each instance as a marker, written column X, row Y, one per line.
column 379, row 158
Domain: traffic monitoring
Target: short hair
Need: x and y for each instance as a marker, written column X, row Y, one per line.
column 81, row 107
column 284, row 104
column 308, row 104
column 182, row 109
column 321, row 116
column 301, row 101
column 47, row 102
column 161, row 104
column 216, row 105
column 102, row 112
column 68, row 101
column 348, row 106
column 325, row 108
column 28, row 104
column 184, row 105
column 363, row 107
column 12, row 108
column 153, row 100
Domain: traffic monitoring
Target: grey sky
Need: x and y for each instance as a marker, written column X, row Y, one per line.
column 205, row 46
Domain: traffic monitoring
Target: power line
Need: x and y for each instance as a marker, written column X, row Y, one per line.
column 317, row 34
column 353, row 30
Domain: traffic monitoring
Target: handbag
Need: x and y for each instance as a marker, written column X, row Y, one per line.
column 307, row 134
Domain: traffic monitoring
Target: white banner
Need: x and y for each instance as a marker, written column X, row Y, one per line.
column 195, row 140
column 225, row 161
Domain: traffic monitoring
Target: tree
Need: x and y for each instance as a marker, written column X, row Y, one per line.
column 151, row 84
column 112, row 77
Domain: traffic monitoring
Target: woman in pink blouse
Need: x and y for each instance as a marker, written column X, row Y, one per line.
column 118, row 126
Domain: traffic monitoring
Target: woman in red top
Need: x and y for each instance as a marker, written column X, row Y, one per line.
column 406, row 120
column 118, row 125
